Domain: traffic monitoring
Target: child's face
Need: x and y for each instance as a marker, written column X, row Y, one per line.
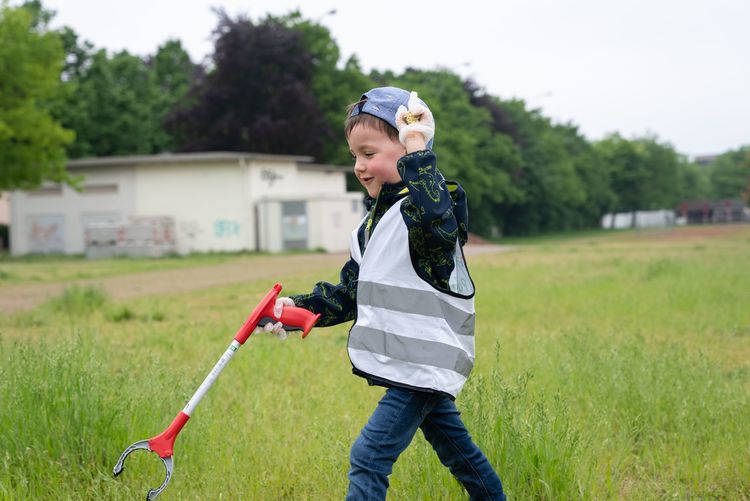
column 375, row 157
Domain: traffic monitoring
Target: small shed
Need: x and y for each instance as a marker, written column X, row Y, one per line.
column 714, row 211
column 218, row 201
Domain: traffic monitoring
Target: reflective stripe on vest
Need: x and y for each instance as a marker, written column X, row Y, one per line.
column 407, row 331
column 406, row 300
column 411, row 349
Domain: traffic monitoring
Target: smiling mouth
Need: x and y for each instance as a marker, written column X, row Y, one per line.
column 365, row 180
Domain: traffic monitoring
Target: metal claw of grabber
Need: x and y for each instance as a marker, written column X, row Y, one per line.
column 144, row 445
column 163, row 445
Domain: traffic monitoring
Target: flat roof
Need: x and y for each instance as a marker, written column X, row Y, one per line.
column 172, row 158
column 324, row 167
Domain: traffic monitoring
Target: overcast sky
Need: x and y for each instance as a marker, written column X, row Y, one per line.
column 677, row 68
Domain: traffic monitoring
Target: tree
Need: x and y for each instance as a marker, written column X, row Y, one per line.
column 497, row 154
column 730, row 174
column 173, row 74
column 118, row 104
column 628, row 173
column 663, row 164
column 695, row 182
column 554, row 164
column 468, row 151
column 32, row 143
column 257, row 96
column 112, row 106
column 594, row 177
column 78, row 54
column 334, row 85
column 645, row 173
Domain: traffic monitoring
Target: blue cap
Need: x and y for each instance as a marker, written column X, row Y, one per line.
column 383, row 102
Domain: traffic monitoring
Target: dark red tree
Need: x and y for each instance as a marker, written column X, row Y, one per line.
column 255, row 96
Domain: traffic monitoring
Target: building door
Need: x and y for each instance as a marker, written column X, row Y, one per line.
column 294, row 225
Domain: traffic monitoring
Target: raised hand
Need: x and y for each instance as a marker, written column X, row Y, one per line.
column 414, row 119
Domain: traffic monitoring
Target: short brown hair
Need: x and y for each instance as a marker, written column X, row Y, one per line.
column 367, row 120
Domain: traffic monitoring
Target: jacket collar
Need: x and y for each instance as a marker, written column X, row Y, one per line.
column 389, row 193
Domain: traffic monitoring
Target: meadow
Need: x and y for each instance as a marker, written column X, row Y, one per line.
column 609, row 366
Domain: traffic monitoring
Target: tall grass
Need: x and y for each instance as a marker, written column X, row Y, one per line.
column 603, row 371
column 661, row 424
column 607, row 418
column 623, row 421
column 62, row 419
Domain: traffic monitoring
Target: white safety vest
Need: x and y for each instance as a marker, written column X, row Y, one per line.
column 407, row 331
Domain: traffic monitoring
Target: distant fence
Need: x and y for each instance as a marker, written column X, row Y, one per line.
column 140, row 237
column 643, row 219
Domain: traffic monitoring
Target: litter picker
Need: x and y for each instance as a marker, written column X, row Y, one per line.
column 292, row 317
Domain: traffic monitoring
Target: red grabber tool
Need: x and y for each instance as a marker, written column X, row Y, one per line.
column 292, row 317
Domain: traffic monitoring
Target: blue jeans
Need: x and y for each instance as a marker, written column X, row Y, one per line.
column 392, row 427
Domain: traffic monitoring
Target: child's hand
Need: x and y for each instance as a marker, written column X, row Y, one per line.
column 278, row 307
column 416, row 119
column 278, row 327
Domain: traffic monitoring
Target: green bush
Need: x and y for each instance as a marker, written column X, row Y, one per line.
column 79, row 300
column 121, row 314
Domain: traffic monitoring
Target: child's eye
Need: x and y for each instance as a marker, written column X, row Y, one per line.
column 368, row 154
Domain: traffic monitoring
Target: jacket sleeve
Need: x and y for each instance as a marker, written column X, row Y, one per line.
column 434, row 216
column 335, row 303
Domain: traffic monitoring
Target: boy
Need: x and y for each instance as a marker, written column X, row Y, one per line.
column 407, row 288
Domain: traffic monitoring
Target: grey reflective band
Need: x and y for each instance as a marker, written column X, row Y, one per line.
column 406, row 300
column 411, row 350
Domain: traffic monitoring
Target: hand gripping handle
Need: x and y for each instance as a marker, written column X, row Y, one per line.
column 293, row 317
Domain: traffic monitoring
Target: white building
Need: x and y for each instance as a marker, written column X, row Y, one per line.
column 640, row 219
column 219, row 202
column 4, row 208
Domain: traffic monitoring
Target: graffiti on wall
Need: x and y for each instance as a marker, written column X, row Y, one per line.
column 226, row 228
column 151, row 236
column 46, row 233
column 270, row 176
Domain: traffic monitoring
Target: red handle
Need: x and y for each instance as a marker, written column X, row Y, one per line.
column 291, row 316
column 252, row 321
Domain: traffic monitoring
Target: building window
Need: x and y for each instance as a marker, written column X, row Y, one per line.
column 99, row 189
column 45, row 191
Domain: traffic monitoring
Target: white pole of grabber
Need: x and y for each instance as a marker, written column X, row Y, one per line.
column 209, row 381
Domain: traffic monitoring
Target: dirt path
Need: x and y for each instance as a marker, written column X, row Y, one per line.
column 692, row 232
column 25, row 297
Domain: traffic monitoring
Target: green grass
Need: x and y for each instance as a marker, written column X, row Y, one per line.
column 561, row 236
column 38, row 269
column 58, row 268
column 607, row 369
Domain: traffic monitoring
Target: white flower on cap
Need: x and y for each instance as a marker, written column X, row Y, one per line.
column 415, row 118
